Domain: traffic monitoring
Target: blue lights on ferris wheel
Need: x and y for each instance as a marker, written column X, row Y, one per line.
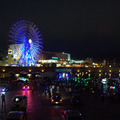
column 28, row 35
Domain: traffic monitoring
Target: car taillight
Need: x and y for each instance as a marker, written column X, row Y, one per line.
column 24, row 87
column 52, row 100
column 28, row 87
column 60, row 100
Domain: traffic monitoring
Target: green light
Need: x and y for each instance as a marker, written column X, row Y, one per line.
column 63, row 70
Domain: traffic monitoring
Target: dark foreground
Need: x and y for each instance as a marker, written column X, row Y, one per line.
column 40, row 108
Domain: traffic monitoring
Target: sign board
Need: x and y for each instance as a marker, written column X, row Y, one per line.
column 63, row 70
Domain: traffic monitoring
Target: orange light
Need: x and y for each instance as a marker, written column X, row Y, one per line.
column 60, row 100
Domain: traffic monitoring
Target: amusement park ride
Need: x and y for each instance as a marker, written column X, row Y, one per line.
column 26, row 34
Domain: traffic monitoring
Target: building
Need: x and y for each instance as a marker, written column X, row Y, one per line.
column 14, row 54
column 58, row 58
column 46, row 57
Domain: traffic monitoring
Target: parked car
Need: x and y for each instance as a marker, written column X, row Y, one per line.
column 56, row 99
column 19, row 103
column 71, row 115
column 76, row 99
column 15, row 115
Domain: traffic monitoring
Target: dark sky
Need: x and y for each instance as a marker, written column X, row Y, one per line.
column 83, row 28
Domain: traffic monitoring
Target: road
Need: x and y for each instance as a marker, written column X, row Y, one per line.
column 40, row 108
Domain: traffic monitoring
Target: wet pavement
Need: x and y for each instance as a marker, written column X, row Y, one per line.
column 40, row 108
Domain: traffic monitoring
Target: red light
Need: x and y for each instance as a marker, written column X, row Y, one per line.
column 60, row 100
column 52, row 100
column 24, row 87
column 28, row 87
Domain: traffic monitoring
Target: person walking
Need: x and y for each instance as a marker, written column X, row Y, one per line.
column 3, row 99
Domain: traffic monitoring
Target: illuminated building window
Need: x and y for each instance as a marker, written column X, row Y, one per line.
column 119, row 70
column 29, row 75
column 17, row 75
column 3, row 70
column 78, row 70
column 99, row 75
column 42, row 70
column 99, row 70
column 109, row 65
column 66, row 74
column 60, row 75
column 109, row 70
column 89, row 75
column 82, row 73
column 63, row 75
column 89, row 70
column 109, row 75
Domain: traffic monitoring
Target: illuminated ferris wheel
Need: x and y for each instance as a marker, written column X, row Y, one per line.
column 27, row 36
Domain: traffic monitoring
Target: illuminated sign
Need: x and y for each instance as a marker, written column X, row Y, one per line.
column 63, row 70
column 54, row 57
column 104, row 81
column 23, row 79
column 112, row 87
column 63, row 75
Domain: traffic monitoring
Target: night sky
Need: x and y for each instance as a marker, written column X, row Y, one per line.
column 83, row 28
